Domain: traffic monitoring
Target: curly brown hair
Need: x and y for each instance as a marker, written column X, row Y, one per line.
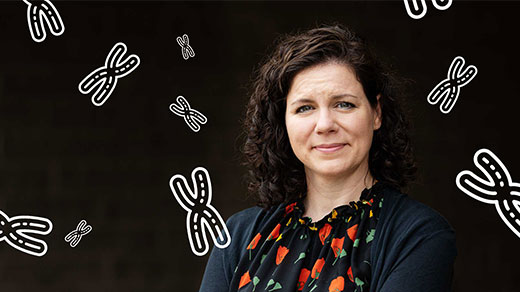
column 276, row 174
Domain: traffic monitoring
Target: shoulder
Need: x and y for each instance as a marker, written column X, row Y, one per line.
column 250, row 218
column 408, row 216
column 411, row 239
column 239, row 224
column 403, row 214
column 243, row 216
column 244, row 225
column 222, row 262
column 406, row 224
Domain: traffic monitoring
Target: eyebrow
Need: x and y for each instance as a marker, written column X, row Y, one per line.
column 334, row 97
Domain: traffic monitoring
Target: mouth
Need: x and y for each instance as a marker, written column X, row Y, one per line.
column 329, row 148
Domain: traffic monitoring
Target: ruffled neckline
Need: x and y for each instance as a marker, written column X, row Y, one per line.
column 342, row 212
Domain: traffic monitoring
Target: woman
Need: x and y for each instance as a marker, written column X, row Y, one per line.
column 328, row 151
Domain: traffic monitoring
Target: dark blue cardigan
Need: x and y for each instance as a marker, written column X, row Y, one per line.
column 413, row 249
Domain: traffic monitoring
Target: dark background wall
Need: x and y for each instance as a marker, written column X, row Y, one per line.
column 67, row 160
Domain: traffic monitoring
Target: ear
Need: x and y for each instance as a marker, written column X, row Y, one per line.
column 378, row 115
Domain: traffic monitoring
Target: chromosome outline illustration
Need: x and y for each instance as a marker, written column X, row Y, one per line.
column 16, row 232
column 202, row 216
column 74, row 237
column 497, row 188
column 448, row 90
column 40, row 13
column 105, row 78
column 186, row 49
column 417, row 10
column 191, row 117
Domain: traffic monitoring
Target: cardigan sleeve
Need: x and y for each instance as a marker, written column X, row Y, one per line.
column 415, row 250
column 216, row 276
column 222, row 262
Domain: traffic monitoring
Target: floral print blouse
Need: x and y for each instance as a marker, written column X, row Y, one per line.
column 292, row 253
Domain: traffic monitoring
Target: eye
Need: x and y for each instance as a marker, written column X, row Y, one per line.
column 345, row 104
column 303, row 108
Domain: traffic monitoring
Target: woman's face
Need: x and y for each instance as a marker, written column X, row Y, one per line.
column 329, row 120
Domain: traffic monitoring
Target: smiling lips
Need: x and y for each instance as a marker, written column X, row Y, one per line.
column 329, row 148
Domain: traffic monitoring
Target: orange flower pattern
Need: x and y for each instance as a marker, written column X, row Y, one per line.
column 337, row 245
column 280, row 255
column 350, row 276
column 244, row 280
column 352, row 232
column 254, row 242
column 304, row 275
column 324, row 232
column 316, row 270
column 325, row 253
column 275, row 233
column 289, row 208
column 337, row 285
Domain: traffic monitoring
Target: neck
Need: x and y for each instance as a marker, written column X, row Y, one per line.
column 325, row 193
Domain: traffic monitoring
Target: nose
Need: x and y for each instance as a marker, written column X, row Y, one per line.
column 325, row 122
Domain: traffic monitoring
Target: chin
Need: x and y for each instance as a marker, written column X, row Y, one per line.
column 330, row 170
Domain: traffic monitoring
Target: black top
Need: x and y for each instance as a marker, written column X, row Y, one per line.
column 384, row 242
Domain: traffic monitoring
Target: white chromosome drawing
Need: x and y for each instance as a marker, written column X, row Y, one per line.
column 41, row 13
column 202, row 217
column 496, row 188
column 16, row 232
column 192, row 117
column 186, row 49
column 448, row 90
column 105, row 78
column 416, row 9
column 74, row 237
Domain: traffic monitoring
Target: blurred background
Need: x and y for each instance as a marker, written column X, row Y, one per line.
column 65, row 159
